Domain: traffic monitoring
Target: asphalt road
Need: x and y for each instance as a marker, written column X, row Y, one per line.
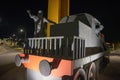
column 112, row 71
column 8, row 70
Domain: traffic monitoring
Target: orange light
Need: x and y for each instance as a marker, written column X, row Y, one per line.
column 22, row 55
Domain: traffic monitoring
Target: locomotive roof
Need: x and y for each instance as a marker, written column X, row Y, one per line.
column 83, row 17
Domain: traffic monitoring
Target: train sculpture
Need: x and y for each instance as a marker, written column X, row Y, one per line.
column 75, row 50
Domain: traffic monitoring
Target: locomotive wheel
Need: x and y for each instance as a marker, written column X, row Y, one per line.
column 80, row 75
column 92, row 74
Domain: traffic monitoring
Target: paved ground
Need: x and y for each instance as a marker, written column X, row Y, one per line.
column 112, row 71
column 12, row 72
column 2, row 49
column 8, row 70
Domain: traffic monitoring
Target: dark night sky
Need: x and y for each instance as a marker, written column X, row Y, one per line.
column 13, row 15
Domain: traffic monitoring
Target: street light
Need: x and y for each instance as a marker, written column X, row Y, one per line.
column 23, row 31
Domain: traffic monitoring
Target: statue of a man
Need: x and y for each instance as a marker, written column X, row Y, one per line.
column 40, row 23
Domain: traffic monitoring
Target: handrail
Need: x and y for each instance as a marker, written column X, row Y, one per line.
column 73, row 48
column 78, row 47
column 44, row 41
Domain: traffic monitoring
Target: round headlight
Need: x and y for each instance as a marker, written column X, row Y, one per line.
column 18, row 60
column 45, row 68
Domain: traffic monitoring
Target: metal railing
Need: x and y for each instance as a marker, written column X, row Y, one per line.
column 69, row 48
column 40, row 45
column 48, row 41
column 78, row 47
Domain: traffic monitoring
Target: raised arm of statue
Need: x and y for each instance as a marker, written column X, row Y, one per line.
column 35, row 18
column 29, row 13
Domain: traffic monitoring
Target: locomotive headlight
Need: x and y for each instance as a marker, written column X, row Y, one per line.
column 45, row 68
column 17, row 60
column 20, row 59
